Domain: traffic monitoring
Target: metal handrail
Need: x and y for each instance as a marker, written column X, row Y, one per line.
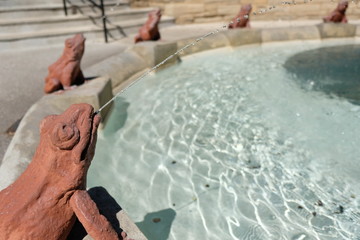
column 65, row 7
column 103, row 15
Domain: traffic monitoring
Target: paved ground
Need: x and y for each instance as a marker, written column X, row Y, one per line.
column 22, row 71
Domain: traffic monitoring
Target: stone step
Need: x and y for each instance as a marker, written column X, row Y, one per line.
column 91, row 32
column 8, row 3
column 41, row 2
column 57, row 9
column 41, row 23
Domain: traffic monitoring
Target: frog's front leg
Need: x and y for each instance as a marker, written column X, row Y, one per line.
column 95, row 224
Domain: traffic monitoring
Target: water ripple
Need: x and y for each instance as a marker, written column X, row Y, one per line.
column 238, row 152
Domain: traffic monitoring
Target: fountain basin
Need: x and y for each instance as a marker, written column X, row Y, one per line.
column 121, row 71
column 237, row 147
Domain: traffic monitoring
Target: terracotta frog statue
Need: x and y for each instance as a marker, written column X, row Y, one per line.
column 66, row 71
column 338, row 15
column 44, row 202
column 242, row 19
column 150, row 30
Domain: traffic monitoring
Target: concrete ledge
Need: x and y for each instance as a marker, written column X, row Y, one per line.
column 129, row 226
column 95, row 92
column 290, row 34
column 238, row 37
column 155, row 52
column 119, row 67
column 214, row 41
column 337, row 30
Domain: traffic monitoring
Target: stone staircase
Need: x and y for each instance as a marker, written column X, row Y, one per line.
column 44, row 22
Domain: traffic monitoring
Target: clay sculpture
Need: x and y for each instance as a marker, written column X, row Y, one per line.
column 338, row 15
column 150, row 31
column 66, row 71
column 242, row 19
column 44, row 202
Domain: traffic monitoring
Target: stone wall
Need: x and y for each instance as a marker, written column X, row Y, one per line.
column 202, row 11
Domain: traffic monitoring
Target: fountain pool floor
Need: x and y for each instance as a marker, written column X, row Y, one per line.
column 229, row 145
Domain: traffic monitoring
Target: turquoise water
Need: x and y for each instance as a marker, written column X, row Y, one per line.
column 229, row 145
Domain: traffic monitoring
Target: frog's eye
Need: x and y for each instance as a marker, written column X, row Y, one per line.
column 65, row 136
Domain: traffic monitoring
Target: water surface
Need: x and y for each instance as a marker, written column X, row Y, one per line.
column 229, row 145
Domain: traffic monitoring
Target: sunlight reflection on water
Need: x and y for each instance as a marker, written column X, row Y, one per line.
column 230, row 141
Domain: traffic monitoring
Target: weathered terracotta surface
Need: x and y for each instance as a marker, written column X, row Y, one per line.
column 44, row 202
column 66, row 71
column 150, row 30
column 338, row 15
column 242, row 19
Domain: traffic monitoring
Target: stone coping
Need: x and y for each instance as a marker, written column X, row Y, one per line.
column 120, row 70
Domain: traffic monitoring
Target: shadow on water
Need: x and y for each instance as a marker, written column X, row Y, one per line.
column 157, row 225
column 332, row 70
column 118, row 116
column 107, row 206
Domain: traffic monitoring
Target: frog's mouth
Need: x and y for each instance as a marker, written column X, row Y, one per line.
column 89, row 150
